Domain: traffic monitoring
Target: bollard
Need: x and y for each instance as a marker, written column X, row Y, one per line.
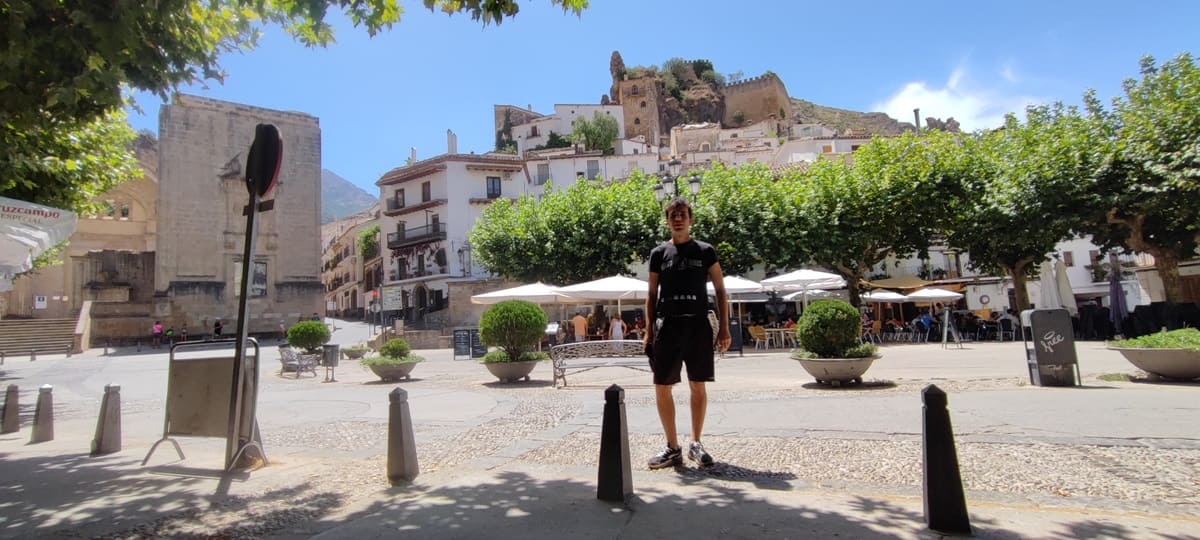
column 401, row 448
column 43, row 416
column 945, row 504
column 32, row 356
column 68, row 351
column 106, row 347
column 615, row 478
column 108, row 426
column 11, row 422
column 1, row 358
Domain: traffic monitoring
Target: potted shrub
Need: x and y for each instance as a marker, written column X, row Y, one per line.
column 394, row 362
column 516, row 327
column 828, row 335
column 308, row 336
column 356, row 352
column 1170, row 355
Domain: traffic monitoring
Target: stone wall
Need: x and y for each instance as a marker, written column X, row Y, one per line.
column 203, row 145
column 757, row 99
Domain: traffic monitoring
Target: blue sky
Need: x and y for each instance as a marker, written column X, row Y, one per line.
column 377, row 97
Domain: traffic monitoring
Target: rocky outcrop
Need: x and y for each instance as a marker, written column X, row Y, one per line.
column 843, row 120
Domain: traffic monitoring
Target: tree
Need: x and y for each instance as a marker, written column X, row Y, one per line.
column 368, row 242
column 742, row 214
column 66, row 62
column 587, row 231
column 892, row 200
column 1022, row 192
column 1146, row 195
column 69, row 59
column 66, row 164
column 599, row 133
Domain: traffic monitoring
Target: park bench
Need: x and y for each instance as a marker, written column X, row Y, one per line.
column 588, row 355
column 290, row 360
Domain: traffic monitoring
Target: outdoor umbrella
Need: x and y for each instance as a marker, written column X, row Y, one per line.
column 804, row 280
column 610, row 288
column 884, row 297
column 1065, row 294
column 538, row 293
column 1118, row 309
column 26, row 231
column 929, row 296
column 738, row 287
column 1051, row 298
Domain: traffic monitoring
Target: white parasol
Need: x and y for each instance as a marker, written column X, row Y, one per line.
column 804, row 280
column 538, row 293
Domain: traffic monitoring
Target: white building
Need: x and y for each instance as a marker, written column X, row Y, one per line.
column 561, row 167
column 536, row 132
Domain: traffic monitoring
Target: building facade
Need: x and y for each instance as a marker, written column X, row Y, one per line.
column 203, row 144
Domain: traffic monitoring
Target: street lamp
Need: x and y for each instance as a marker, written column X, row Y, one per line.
column 694, row 184
column 667, row 189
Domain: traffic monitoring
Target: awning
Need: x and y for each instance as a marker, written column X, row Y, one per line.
column 899, row 282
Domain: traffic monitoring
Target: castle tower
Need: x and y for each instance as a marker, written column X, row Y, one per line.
column 640, row 99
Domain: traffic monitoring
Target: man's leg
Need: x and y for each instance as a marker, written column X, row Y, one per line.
column 666, row 412
column 699, row 403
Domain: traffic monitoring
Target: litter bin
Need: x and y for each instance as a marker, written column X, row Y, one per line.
column 329, row 355
column 1049, row 341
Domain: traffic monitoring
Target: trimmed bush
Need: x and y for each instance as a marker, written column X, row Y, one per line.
column 390, row 361
column 395, row 348
column 516, row 326
column 828, row 328
column 308, row 335
column 493, row 357
column 1184, row 338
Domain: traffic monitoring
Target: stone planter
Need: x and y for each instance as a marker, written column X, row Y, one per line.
column 355, row 354
column 1179, row 364
column 394, row 372
column 837, row 371
column 512, row 371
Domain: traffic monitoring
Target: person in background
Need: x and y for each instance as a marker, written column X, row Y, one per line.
column 579, row 325
column 616, row 328
column 218, row 327
column 170, row 333
column 183, row 334
column 282, row 330
column 156, row 332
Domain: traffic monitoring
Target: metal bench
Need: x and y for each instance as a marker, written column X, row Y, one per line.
column 588, row 355
column 290, row 360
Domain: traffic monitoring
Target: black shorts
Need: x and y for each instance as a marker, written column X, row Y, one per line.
column 683, row 340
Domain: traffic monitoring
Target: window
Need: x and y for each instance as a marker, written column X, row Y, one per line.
column 855, row 147
column 1094, row 256
column 435, row 222
column 637, row 121
column 643, row 104
column 493, row 187
column 705, row 147
column 426, row 192
column 399, row 196
column 400, row 228
column 533, row 132
column 125, row 210
column 543, row 174
column 634, row 90
column 593, row 169
column 1068, row 258
column 827, row 149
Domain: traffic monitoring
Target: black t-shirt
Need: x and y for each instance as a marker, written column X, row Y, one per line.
column 682, row 275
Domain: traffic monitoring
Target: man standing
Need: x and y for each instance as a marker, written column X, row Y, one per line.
column 678, row 331
column 579, row 324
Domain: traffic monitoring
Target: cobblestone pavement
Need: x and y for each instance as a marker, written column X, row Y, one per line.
column 330, row 465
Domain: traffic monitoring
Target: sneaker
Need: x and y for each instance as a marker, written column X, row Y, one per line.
column 696, row 453
column 667, row 458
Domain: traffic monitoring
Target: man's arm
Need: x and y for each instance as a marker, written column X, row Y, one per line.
column 718, row 281
column 651, row 302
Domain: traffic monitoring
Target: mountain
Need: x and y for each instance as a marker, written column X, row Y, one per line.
column 874, row 123
column 340, row 197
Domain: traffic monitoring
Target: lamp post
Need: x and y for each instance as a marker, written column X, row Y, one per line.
column 667, row 189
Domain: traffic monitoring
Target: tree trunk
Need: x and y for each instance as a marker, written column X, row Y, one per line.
column 1167, row 265
column 1020, row 286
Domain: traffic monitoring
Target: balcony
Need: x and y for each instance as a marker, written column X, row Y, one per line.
column 393, row 208
column 393, row 205
column 419, row 235
column 400, row 275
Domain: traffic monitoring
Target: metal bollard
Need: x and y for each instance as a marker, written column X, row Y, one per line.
column 106, row 347
column 108, row 425
column 401, row 448
column 33, row 356
column 1, row 358
column 12, row 422
column 615, row 481
column 945, row 504
column 68, row 351
column 43, row 416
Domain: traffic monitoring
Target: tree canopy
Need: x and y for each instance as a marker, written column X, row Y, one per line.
column 588, row 230
column 1146, row 194
column 599, row 133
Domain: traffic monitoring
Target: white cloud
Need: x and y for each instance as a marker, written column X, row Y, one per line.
column 973, row 107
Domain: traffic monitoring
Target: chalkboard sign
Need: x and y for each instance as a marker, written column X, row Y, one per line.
column 462, row 343
column 467, row 344
column 735, row 334
column 477, row 348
